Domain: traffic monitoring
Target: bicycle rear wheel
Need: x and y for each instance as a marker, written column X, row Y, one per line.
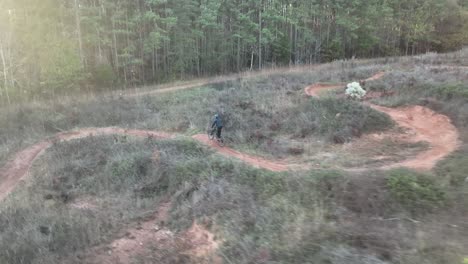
column 221, row 142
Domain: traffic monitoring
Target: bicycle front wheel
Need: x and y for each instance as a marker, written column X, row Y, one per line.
column 211, row 134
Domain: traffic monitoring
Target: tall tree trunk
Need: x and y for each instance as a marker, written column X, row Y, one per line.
column 407, row 47
column 238, row 55
column 153, row 64
column 132, row 71
column 251, row 60
column 5, row 73
column 142, row 56
column 295, row 56
column 199, row 44
column 100, row 56
column 114, row 42
column 78, row 31
column 260, row 36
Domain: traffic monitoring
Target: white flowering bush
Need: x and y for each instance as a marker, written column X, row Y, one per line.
column 355, row 91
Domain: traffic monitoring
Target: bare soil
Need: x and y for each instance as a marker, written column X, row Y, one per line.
column 197, row 244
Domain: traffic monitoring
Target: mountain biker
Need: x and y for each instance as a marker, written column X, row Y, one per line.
column 218, row 123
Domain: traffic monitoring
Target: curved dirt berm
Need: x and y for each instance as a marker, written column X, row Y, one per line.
column 316, row 88
column 428, row 126
column 15, row 169
column 424, row 124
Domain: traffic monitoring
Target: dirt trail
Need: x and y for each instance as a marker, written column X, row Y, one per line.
column 252, row 160
column 316, row 88
column 14, row 170
column 428, row 126
column 206, row 81
column 424, row 124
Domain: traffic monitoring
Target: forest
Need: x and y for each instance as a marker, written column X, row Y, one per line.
column 52, row 47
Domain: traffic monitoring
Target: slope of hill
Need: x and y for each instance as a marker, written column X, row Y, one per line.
column 103, row 196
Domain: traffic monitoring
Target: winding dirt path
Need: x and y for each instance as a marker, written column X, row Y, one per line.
column 423, row 124
column 16, row 169
column 316, row 88
column 251, row 160
column 219, row 79
column 427, row 126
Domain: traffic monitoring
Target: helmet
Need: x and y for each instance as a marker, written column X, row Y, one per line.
column 216, row 116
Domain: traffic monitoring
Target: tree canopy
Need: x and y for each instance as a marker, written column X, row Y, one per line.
column 55, row 46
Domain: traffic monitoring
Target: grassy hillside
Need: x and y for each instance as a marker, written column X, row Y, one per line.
column 86, row 190
column 83, row 193
column 256, row 110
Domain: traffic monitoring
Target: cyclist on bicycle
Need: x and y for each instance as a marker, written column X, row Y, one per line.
column 218, row 124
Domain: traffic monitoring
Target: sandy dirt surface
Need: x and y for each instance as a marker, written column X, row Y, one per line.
column 251, row 160
column 427, row 126
column 155, row 242
column 18, row 167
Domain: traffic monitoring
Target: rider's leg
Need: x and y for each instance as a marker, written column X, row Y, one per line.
column 218, row 134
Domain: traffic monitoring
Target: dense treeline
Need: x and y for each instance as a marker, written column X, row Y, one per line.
column 52, row 46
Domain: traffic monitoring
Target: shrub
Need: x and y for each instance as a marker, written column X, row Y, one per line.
column 355, row 91
column 338, row 119
column 416, row 192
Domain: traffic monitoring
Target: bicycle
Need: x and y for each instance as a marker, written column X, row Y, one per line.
column 212, row 135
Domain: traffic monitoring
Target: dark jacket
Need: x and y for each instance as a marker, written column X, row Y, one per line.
column 217, row 122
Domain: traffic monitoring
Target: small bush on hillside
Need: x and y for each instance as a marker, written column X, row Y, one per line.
column 416, row 192
column 355, row 91
column 338, row 119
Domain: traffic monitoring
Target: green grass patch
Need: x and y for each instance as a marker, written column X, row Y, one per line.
column 416, row 192
column 454, row 168
column 451, row 91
